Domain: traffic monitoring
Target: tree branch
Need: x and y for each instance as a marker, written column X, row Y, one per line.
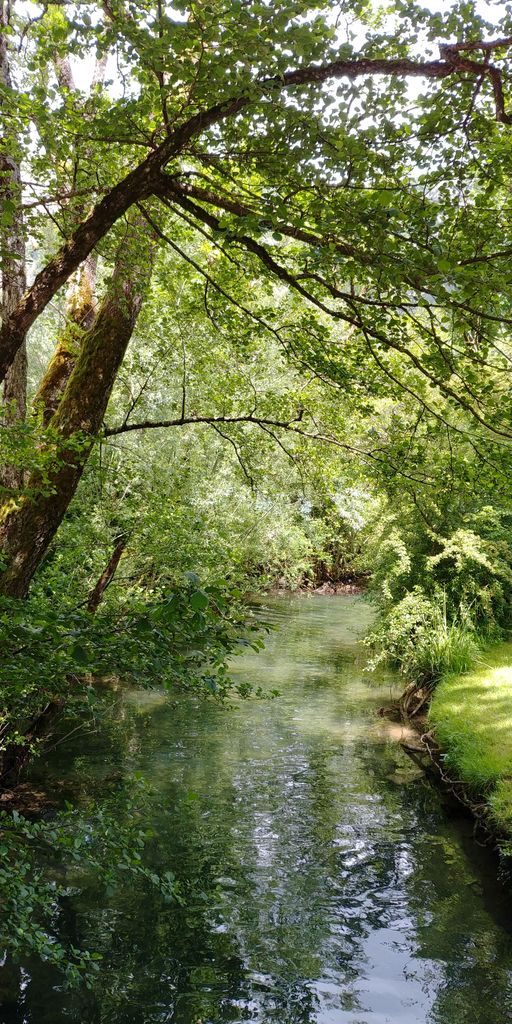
column 240, row 209
column 354, row 319
column 140, row 182
column 182, row 421
column 263, row 422
column 137, row 185
column 241, row 463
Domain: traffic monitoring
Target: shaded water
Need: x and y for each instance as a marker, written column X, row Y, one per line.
column 323, row 882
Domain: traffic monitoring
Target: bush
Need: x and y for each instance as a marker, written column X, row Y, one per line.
column 52, row 650
column 417, row 637
column 444, row 591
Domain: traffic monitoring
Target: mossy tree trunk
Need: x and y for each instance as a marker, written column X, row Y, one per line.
column 13, row 269
column 80, row 305
column 27, row 530
column 80, row 316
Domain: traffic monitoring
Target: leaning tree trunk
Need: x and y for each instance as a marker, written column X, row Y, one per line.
column 98, row 591
column 80, row 308
column 27, row 530
column 13, row 271
column 80, row 315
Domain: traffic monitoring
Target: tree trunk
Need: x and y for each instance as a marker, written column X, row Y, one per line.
column 27, row 530
column 13, row 273
column 96, row 594
column 80, row 297
column 80, row 312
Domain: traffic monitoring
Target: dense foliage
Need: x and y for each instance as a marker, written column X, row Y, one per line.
column 257, row 257
column 442, row 563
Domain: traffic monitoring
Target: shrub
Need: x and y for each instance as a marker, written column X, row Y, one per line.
column 417, row 637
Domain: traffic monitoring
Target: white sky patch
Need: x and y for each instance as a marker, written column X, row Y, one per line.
column 83, row 69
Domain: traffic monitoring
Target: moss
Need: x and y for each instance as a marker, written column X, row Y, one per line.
column 472, row 718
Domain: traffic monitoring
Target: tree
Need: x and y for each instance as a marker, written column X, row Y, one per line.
column 228, row 129
column 13, row 262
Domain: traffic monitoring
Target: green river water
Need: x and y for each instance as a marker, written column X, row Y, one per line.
column 323, row 881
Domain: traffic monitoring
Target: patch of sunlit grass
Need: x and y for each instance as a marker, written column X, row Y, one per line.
column 472, row 718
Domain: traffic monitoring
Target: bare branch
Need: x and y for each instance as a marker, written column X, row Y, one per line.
column 479, row 44
column 241, row 463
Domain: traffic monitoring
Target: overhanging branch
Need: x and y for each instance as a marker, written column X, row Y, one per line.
column 353, row 318
column 140, row 182
column 263, row 422
column 182, row 421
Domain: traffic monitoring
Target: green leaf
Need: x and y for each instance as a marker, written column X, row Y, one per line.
column 80, row 654
column 199, row 601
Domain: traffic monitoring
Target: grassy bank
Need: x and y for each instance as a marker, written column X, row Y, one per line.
column 471, row 715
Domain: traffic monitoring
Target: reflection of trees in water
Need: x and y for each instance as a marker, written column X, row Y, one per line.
column 295, row 855
column 234, row 944
column 462, row 931
column 475, row 956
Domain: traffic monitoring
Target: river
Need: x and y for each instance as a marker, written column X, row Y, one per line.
column 323, row 880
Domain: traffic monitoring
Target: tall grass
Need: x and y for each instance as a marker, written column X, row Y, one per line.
column 448, row 647
column 417, row 637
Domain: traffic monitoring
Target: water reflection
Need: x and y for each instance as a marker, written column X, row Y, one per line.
column 321, row 886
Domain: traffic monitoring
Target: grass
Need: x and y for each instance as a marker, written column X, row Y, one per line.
column 472, row 718
column 446, row 648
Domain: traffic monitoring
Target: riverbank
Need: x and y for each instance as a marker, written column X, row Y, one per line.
column 351, row 587
column 467, row 732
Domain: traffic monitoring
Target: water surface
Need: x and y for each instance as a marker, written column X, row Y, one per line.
column 323, row 881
